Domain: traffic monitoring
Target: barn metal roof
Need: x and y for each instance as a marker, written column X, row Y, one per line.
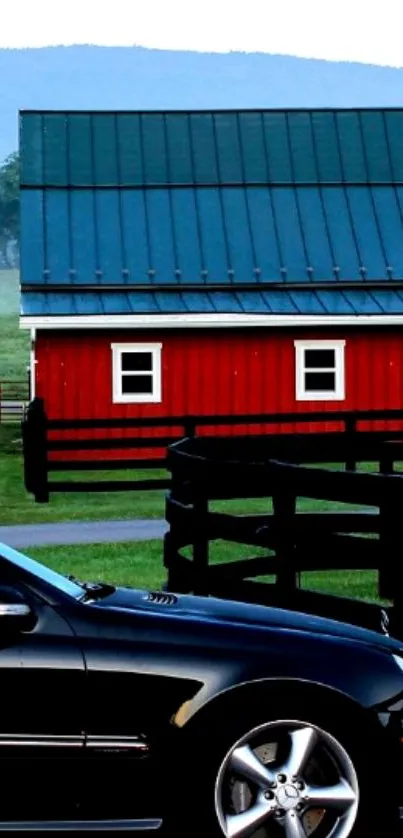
column 307, row 302
column 256, row 212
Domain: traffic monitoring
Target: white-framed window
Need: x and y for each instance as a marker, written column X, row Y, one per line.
column 320, row 370
column 136, row 373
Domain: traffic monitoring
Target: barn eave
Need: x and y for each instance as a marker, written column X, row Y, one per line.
column 206, row 321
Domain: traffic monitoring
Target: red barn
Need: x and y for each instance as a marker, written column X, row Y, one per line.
column 213, row 262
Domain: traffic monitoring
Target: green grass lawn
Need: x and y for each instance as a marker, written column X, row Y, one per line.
column 19, row 507
column 139, row 565
column 14, row 342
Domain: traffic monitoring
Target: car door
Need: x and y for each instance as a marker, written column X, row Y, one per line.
column 41, row 710
column 135, row 683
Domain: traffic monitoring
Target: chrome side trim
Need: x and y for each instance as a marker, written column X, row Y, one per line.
column 118, row 743
column 95, row 743
column 148, row 825
column 25, row 740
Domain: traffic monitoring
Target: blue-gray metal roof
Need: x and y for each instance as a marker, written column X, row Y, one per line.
column 307, row 302
column 224, row 211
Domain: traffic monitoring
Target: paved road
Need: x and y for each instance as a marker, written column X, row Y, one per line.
column 78, row 532
column 86, row 532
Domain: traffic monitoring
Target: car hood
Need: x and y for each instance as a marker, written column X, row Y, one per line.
column 239, row 614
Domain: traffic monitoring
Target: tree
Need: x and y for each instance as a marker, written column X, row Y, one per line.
column 9, row 205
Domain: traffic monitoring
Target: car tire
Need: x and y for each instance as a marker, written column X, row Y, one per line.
column 302, row 751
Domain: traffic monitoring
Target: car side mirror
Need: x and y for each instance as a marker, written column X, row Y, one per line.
column 15, row 611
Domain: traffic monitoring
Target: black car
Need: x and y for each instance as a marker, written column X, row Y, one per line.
column 132, row 710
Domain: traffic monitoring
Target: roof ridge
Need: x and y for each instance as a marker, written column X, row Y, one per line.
column 190, row 111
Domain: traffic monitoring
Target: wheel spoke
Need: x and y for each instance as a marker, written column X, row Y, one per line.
column 292, row 826
column 303, row 742
column 340, row 796
column 240, row 826
column 247, row 764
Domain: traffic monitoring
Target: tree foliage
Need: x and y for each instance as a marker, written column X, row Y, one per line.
column 9, row 211
column 9, row 198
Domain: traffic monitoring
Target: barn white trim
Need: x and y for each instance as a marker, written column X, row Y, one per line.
column 205, row 321
column 309, row 370
column 146, row 379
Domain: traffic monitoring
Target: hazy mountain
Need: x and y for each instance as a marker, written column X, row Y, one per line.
column 130, row 78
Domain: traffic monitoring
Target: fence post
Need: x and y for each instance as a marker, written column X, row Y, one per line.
column 190, row 428
column 175, row 582
column 284, row 509
column 387, row 460
column 201, row 547
column 34, row 439
column 29, row 380
column 390, row 570
column 350, row 430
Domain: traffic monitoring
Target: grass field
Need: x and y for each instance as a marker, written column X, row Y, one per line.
column 18, row 507
column 14, row 342
column 139, row 565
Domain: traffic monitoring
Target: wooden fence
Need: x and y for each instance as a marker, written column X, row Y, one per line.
column 14, row 397
column 355, row 525
column 40, row 444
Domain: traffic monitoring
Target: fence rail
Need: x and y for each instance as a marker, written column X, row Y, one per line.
column 38, row 433
column 291, row 542
column 14, row 397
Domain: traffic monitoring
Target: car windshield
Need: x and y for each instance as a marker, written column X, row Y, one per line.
column 51, row 577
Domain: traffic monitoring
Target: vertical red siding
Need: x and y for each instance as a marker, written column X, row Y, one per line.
column 214, row 372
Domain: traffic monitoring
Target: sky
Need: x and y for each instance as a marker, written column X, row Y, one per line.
column 339, row 30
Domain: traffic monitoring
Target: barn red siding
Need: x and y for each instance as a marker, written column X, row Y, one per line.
column 214, row 372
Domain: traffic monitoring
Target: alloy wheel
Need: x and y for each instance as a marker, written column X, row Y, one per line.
column 287, row 779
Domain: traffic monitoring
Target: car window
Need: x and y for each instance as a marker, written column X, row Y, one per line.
column 40, row 571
